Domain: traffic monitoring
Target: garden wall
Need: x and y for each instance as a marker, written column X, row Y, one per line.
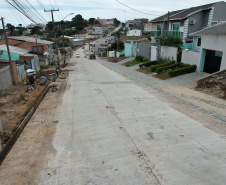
column 191, row 57
column 169, row 52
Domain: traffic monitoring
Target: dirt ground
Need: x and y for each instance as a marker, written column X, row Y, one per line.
column 15, row 103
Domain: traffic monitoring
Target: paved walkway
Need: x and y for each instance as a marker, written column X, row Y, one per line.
column 179, row 89
column 109, row 130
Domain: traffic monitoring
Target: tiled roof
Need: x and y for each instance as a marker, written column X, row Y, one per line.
column 219, row 29
column 180, row 14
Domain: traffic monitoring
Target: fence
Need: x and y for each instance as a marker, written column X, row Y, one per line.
column 169, row 52
column 6, row 78
column 21, row 72
column 191, row 57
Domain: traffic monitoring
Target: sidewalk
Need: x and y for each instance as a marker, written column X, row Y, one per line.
column 179, row 89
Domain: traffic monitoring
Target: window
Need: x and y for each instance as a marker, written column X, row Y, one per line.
column 176, row 27
column 37, row 48
column 199, row 42
column 159, row 27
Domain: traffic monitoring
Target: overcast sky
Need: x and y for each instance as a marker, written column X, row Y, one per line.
column 98, row 8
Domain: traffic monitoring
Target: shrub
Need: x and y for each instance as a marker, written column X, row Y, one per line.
column 153, row 68
column 53, row 63
column 104, row 53
column 171, row 41
column 139, row 58
column 43, row 67
column 181, row 71
column 166, row 68
column 145, row 59
column 147, row 64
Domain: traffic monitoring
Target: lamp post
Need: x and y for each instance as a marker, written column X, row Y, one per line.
column 58, row 63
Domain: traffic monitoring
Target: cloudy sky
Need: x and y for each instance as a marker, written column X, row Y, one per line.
column 96, row 8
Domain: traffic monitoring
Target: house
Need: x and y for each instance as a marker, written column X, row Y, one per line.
column 184, row 22
column 147, row 27
column 32, row 44
column 80, row 36
column 134, row 32
column 98, row 30
column 103, row 42
column 208, row 50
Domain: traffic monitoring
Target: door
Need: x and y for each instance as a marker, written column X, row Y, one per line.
column 212, row 61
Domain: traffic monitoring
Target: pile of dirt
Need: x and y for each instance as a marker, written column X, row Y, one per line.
column 143, row 71
column 116, row 60
column 215, row 86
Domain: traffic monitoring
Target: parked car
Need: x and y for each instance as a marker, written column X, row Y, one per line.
column 77, row 55
column 92, row 56
column 83, row 47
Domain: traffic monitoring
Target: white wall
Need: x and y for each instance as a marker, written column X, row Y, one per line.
column 169, row 52
column 217, row 43
column 133, row 33
column 191, row 57
column 153, row 53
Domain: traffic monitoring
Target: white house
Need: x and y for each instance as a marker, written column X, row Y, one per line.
column 148, row 27
column 103, row 42
column 98, row 30
column 208, row 50
column 80, row 36
column 133, row 33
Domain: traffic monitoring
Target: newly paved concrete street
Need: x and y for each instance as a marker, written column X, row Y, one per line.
column 111, row 130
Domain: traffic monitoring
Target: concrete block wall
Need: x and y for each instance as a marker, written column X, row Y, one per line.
column 169, row 52
column 191, row 57
column 5, row 78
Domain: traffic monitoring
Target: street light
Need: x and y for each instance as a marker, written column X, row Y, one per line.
column 58, row 63
column 63, row 36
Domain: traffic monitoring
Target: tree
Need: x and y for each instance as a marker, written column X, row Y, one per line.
column 97, row 22
column 11, row 28
column 171, row 41
column 115, row 45
column 116, row 22
column 149, row 37
column 92, row 21
column 36, row 30
column 66, row 42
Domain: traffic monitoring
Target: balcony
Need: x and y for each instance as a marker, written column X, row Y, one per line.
column 155, row 33
column 174, row 33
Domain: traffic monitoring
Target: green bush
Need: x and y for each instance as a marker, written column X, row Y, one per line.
column 166, row 68
column 147, row 64
column 145, row 59
column 139, row 58
column 182, row 71
column 53, row 63
column 104, row 53
column 153, row 68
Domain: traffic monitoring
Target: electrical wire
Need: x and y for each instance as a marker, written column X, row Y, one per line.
column 135, row 9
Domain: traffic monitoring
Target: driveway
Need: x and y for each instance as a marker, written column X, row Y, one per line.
column 111, row 130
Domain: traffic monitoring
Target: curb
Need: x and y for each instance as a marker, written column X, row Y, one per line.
column 21, row 127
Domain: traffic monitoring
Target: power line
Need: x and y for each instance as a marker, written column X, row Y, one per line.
column 135, row 9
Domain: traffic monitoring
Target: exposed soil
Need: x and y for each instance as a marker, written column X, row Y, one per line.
column 143, row 71
column 214, row 86
column 15, row 103
column 160, row 77
column 116, row 60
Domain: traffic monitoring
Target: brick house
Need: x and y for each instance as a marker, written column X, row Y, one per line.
column 30, row 43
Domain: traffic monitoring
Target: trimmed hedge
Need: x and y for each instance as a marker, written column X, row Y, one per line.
column 153, row 68
column 147, row 64
column 145, row 59
column 182, row 71
column 139, row 58
column 166, row 68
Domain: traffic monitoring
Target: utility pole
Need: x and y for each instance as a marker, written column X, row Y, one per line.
column 36, row 44
column 140, row 29
column 58, row 62
column 89, row 46
column 7, row 46
column 64, row 49
column 167, row 25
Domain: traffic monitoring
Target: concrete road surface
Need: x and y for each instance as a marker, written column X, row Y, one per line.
column 110, row 130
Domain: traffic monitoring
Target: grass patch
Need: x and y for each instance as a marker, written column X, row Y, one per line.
column 165, row 75
column 132, row 63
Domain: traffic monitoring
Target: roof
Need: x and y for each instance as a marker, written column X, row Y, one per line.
column 181, row 14
column 30, row 39
column 14, row 49
column 219, row 29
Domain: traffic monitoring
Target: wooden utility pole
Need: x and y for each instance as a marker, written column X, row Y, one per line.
column 7, row 46
column 58, row 62
column 140, row 29
column 167, row 25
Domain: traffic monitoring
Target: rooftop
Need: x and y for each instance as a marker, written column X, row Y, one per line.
column 14, row 49
column 219, row 29
column 30, row 39
column 181, row 14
